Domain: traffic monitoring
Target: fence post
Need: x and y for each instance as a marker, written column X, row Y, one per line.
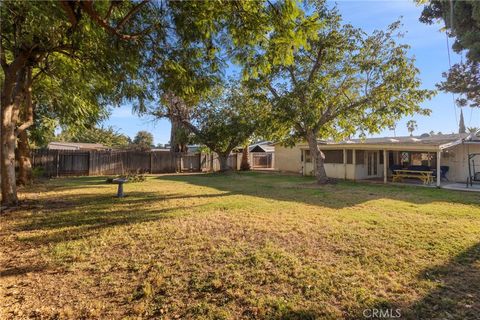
column 89, row 163
column 58, row 161
column 151, row 162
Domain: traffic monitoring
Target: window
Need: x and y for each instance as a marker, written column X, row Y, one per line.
column 405, row 158
column 333, row 156
column 349, row 156
column 308, row 158
column 380, row 157
column 360, row 157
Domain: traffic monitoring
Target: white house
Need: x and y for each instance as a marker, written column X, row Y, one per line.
column 374, row 158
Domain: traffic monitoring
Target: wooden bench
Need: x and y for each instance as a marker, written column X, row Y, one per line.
column 425, row 176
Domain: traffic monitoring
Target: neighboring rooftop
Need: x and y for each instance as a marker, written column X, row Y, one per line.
column 263, row 146
column 76, row 146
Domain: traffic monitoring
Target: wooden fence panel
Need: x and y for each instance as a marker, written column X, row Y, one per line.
column 70, row 163
column 162, row 162
column 79, row 162
column 190, row 162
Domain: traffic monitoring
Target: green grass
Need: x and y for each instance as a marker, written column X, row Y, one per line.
column 247, row 245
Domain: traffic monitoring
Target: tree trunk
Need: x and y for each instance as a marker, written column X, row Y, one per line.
column 174, row 147
column 244, row 165
column 7, row 141
column 12, row 87
column 318, row 159
column 173, row 138
column 223, row 160
column 24, row 160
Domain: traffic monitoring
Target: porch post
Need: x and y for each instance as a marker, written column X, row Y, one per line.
column 354, row 161
column 439, row 153
column 345, row 164
column 384, row 166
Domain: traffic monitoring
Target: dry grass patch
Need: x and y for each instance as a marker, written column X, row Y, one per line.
column 249, row 245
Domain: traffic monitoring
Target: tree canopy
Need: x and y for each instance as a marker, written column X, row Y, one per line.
column 96, row 43
column 462, row 21
column 107, row 136
column 338, row 83
column 143, row 140
column 221, row 122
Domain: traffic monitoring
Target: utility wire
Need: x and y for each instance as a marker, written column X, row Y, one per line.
column 450, row 66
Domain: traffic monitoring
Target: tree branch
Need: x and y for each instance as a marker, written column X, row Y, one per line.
column 130, row 14
column 28, row 103
column 67, row 6
column 3, row 59
column 88, row 7
column 292, row 75
column 316, row 65
column 273, row 91
column 109, row 12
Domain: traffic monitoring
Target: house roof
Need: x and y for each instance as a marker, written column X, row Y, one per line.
column 439, row 141
column 266, row 146
column 435, row 140
column 76, row 145
column 424, row 142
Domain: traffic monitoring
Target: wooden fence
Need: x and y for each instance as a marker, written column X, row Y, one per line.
column 210, row 162
column 57, row 163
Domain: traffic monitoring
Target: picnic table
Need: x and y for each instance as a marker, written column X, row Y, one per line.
column 425, row 176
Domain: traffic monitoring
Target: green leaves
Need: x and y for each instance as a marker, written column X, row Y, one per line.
column 462, row 20
column 107, row 136
column 340, row 81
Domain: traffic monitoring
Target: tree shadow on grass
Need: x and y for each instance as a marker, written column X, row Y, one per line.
column 97, row 211
column 456, row 296
column 21, row 270
column 62, row 184
column 458, row 293
column 303, row 189
column 76, row 210
column 77, row 217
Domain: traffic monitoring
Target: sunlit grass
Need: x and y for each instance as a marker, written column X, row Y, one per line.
column 243, row 245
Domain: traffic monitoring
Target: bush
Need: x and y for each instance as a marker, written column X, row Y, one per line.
column 134, row 176
column 38, row 172
column 131, row 176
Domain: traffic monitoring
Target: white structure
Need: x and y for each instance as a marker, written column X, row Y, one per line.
column 76, row 146
column 375, row 157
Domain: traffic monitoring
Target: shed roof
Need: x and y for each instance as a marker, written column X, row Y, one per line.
column 266, row 146
column 76, row 145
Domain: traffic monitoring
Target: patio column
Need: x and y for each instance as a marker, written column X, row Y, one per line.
column 439, row 153
column 354, row 162
column 384, row 166
column 345, row 164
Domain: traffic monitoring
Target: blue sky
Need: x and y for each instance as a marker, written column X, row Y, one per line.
column 428, row 46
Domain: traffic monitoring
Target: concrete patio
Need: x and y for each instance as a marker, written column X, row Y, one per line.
column 461, row 187
column 458, row 186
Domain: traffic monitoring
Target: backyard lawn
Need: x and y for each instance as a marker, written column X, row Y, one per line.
column 239, row 246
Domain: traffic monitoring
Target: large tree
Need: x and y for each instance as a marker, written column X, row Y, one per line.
column 107, row 136
column 203, row 38
column 222, row 122
column 34, row 33
column 143, row 140
column 462, row 22
column 340, row 82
